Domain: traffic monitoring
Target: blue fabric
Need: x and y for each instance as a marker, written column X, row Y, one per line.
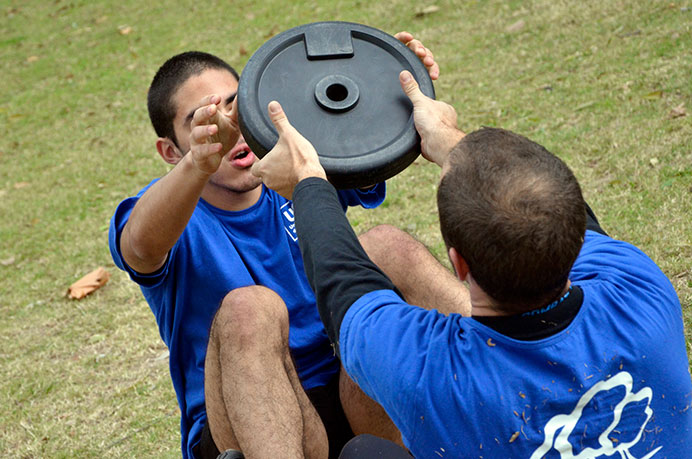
column 615, row 380
column 217, row 252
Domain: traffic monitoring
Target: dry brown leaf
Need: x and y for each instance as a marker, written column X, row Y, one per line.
column 242, row 51
column 513, row 437
column 31, row 59
column 89, row 283
column 7, row 261
column 100, row 19
column 430, row 9
column 124, row 30
column 20, row 185
column 678, row 111
column 516, row 27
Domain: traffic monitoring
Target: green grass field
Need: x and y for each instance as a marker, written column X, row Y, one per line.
column 606, row 85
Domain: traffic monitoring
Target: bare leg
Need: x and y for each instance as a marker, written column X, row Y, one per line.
column 424, row 282
column 363, row 413
column 253, row 395
column 415, row 271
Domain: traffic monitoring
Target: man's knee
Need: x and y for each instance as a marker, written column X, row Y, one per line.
column 249, row 316
column 387, row 241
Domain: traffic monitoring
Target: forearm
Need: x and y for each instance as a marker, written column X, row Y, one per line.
column 337, row 267
column 160, row 216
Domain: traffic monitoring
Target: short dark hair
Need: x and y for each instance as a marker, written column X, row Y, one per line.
column 168, row 79
column 515, row 213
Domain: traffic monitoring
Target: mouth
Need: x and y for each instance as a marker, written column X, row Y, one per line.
column 241, row 156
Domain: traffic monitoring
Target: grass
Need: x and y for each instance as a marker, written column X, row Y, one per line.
column 595, row 82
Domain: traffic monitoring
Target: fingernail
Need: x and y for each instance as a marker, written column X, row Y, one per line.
column 274, row 107
column 405, row 77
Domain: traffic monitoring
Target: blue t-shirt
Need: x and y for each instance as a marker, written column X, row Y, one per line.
column 616, row 380
column 217, row 252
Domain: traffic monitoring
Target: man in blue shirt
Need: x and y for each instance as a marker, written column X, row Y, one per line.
column 216, row 256
column 575, row 347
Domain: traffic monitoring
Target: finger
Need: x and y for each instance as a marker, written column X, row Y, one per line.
column 417, row 47
column 203, row 114
column 403, row 37
column 433, row 71
column 206, row 149
column 278, row 117
column 233, row 115
column 410, row 87
column 201, row 134
column 211, row 99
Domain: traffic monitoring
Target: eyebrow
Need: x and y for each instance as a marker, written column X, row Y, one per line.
column 188, row 118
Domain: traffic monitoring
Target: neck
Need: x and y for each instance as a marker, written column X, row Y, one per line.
column 484, row 305
column 226, row 199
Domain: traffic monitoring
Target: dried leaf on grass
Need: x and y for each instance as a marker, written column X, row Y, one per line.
column 7, row 261
column 124, row 30
column 430, row 9
column 678, row 111
column 516, row 27
column 89, row 283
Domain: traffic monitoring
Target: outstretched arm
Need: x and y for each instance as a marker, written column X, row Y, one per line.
column 161, row 214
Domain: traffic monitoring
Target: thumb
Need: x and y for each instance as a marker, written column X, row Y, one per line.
column 256, row 168
column 278, row 117
column 410, row 87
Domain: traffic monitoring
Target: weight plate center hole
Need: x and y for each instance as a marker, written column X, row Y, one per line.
column 337, row 92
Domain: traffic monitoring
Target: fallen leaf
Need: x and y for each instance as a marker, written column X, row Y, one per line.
column 100, row 20
column 490, row 342
column 516, row 27
column 653, row 162
column 124, row 30
column 7, row 261
column 89, row 283
column 242, row 51
column 19, row 185
column 678, row 111
column 654, row 95
column 427, row 10
column 513, row 437
column 31, row 59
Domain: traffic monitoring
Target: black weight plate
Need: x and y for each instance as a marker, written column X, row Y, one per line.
column 338, row 83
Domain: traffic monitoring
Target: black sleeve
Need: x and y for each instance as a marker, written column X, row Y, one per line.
column 337, row 267
column 592, row 222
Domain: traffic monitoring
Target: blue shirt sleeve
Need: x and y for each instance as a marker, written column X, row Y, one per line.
column 118, row 221
column 366, row 198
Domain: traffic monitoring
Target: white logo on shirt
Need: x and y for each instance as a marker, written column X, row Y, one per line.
column 609, row 445
column 289, row 220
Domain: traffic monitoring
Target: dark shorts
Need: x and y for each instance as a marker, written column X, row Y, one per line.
column 327, row 403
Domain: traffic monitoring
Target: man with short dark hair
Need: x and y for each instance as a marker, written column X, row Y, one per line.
column 216, row 256
column 575, row 347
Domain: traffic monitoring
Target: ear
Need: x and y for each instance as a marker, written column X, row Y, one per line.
column 168, row 150
column 460, row 265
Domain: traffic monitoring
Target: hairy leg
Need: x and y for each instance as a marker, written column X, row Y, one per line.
column 424, row 282
column 415, row 271
column 253, row 395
